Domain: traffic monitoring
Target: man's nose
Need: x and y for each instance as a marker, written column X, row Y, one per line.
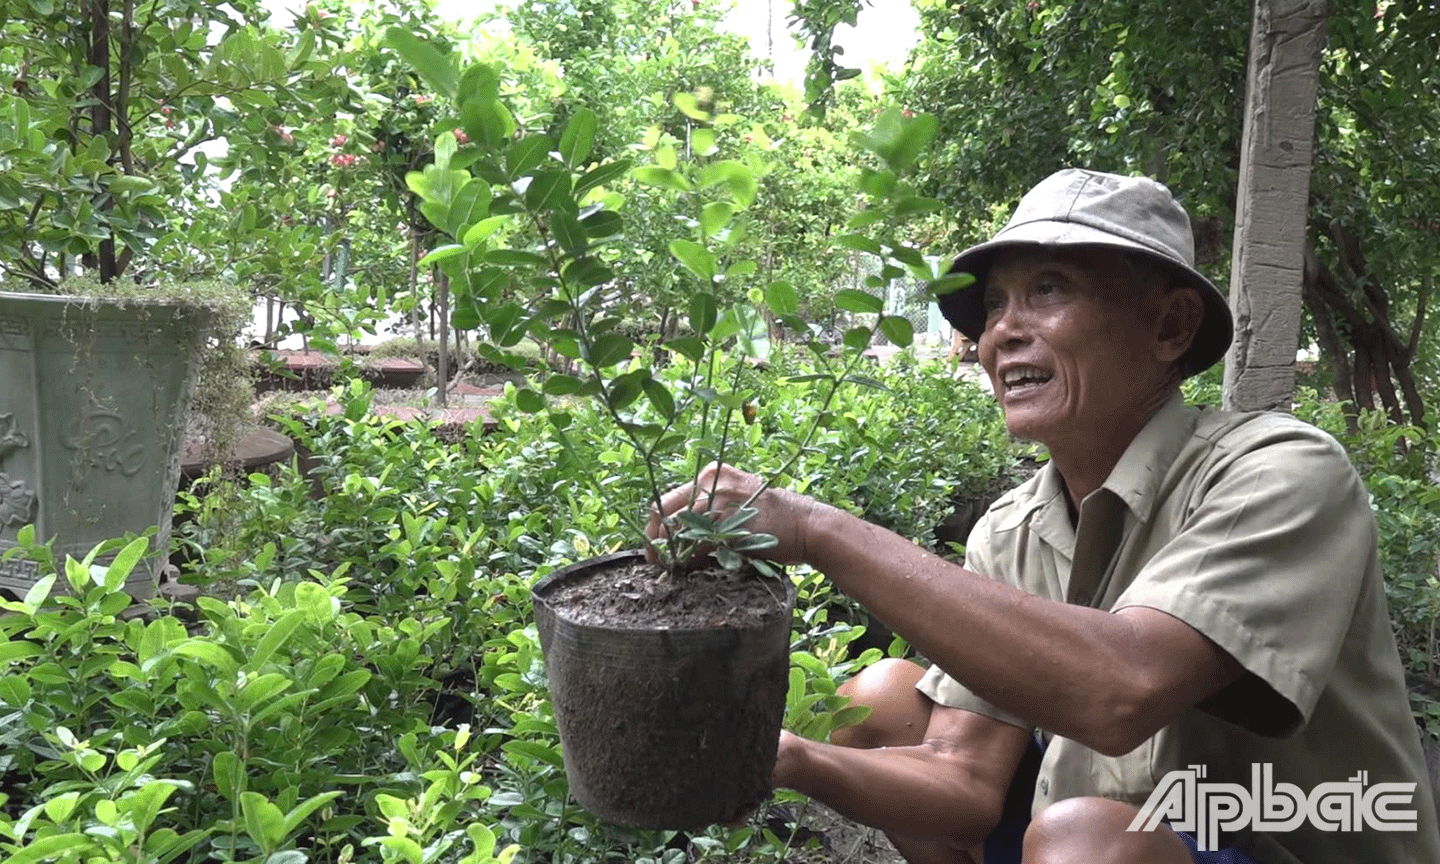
column 1006, row 324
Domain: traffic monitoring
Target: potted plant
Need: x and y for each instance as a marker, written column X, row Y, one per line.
column 105, row 319
column 668, row 681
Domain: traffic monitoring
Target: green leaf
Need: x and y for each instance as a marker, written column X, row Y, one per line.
column 260, row 689
column 915, row 205
column 860, row 243
column 529, row 401
column 782, row 298
column 436, row 69
column 534, row 750
column 858, row 338
column 568, row 231
column 704, row 307
column 471, row 202
column 715, row 216
column 229, row 774
column 603, row 224
column 702, row 141
column 55, row 847
column 39, row 592
column 482, row 230
column 695, row 258
column 124, row 563
column 263, row 821
column 689, row 105
column 129, row 184
column 660, row 397
column 300, row 812
column 737, row 176
column 488, row 120
column 19, row 650
column 687, row 346
column 852, row 300
column 898, row 330
column 863, row 381
column 209, row 653
column 578, row 139
column 663, row 178
column 514, row 258
column 601, row 175
column 449, row 250
column 562, row 385
column 950, row 283
column 609, row 349
column 278, row 634
column 58, row 809
column 550, row 190
column 587, row 272
column 527, row 153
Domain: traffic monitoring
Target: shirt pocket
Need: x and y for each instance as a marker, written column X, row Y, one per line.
column 1126, row 778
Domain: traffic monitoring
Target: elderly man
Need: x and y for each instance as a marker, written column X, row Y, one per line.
column 1176, row 587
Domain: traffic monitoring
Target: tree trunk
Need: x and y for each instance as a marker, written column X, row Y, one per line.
column 100, row 117
column 442, row 289
column 1286, row 40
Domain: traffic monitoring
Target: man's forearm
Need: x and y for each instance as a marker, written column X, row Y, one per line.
column 900, row 790
column 1069, row 669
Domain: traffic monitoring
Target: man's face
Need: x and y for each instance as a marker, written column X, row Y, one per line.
column 1066, row 345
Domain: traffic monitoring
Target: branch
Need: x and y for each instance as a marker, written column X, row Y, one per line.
column 1427, row 282
column 122, row 96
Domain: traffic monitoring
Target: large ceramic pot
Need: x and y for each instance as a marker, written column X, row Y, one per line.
column 665, row 728
column 92, row 405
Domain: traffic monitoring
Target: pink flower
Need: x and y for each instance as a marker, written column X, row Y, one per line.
column 338, row 141
column 461, row 137
column 284, row 135
column 421, row 98
column 344, row 160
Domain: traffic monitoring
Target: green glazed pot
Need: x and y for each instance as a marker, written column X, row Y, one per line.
column 92, row 420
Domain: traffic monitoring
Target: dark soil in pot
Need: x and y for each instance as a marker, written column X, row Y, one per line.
column 669, row 694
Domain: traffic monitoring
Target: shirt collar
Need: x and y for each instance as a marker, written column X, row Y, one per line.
column 1136, row 478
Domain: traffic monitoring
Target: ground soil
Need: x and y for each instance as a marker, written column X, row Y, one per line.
column 645, row 596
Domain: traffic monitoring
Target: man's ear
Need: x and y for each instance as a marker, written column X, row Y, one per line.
column 1180, row 315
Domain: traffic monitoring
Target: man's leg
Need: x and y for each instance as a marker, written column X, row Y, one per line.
column 898, row 718
column 1092, row 830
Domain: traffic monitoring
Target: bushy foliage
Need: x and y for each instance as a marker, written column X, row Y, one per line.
column 374, row 689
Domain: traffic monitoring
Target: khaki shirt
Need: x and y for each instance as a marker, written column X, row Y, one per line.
column 1255, row 530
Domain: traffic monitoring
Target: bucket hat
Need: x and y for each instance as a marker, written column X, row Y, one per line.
column 1076, row 207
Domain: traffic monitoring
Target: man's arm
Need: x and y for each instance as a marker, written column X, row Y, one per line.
column 951, row 787
column 1106, row 680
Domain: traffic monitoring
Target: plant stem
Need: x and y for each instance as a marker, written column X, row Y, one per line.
column 795, row 457
column 605, row 392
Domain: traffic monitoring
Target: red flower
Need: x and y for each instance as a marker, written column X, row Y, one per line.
column 339, row 141
column 421, row 98
column 344, row 160
column 460, row 136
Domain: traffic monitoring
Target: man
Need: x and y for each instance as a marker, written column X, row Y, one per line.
column 1175, row 587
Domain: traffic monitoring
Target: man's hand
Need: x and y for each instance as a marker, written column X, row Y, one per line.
column 722, row 489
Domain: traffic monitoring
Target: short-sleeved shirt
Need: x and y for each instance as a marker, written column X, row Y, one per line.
column 1255, row 530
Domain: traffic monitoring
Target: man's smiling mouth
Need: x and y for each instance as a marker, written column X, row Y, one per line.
column 1022, row 379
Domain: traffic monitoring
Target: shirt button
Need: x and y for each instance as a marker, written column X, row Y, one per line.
column 1044, row 787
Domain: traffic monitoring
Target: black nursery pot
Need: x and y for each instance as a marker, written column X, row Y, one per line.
column 665, row 728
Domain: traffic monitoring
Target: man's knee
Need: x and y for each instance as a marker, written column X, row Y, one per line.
column 899, row 713
column 1094, row 830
